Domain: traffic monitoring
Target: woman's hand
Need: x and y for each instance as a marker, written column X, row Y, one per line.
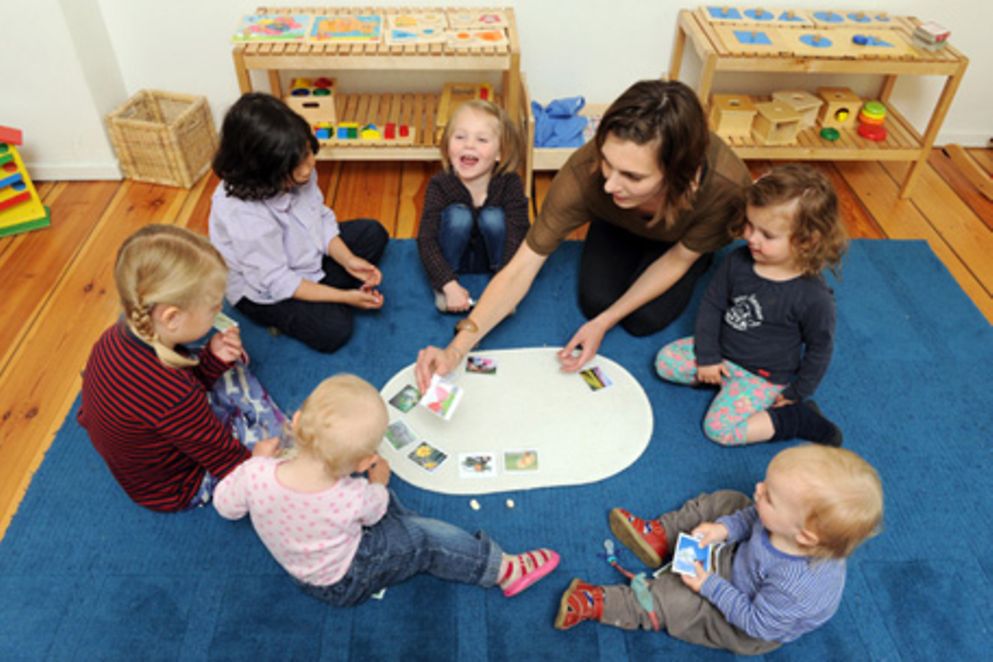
column 364, row 270
column 711, row 374
column 456, row 297
column 226, row 345
column 432, row 360
column 366, row 298
column 587, row 341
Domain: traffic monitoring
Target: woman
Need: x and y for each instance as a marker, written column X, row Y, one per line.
column 658, row 191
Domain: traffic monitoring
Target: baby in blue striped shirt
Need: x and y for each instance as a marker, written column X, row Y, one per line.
column 779, row 569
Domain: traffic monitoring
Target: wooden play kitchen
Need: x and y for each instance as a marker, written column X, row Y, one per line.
column 363, row 121
column 744, row 40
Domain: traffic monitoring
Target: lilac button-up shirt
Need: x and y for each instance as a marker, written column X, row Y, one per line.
column 271, row 245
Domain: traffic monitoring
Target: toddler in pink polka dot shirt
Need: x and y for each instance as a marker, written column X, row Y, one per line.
column 343, row 537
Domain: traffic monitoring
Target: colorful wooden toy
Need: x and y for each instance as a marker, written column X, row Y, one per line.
column 841, row 107
column 731, row 115
column 20, row 207
column 313, row 100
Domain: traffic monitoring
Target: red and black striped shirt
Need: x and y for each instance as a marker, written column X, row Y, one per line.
column 153, row 424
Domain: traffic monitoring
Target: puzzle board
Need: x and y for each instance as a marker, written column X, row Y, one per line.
column 813, row 41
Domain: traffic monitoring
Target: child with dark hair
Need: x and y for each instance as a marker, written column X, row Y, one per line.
column 765, row 329
column 292, row 265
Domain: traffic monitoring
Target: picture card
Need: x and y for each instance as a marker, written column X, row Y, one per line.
column 406, row 398
column 426, row 455
column 399, row 434
column 520, row 460
column 481, row 464
column 222, row 322
column 595, row 378
column 442, row 397
column 687, row 551
column 481, row 365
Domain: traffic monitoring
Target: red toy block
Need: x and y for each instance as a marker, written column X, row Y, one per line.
column 391, row 131
column 15, row 200
column 10, row 136
column 404, row 131
column 484, row 93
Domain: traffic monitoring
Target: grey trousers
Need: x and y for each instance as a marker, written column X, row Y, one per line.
column 684, row 614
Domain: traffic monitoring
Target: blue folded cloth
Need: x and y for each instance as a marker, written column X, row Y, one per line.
column 559, row 124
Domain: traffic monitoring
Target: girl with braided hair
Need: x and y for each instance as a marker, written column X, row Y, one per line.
column 144, row 397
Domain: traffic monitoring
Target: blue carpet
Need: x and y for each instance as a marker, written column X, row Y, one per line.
column 85, row 574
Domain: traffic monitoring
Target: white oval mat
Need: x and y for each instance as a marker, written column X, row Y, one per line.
column 528, row 425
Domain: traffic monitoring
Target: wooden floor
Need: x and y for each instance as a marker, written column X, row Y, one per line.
column 59, row 293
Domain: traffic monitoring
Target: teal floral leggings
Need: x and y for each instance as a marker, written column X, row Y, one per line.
column 742, row 395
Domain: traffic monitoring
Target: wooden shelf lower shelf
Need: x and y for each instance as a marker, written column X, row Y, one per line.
column 414, row 110
column 902, row 144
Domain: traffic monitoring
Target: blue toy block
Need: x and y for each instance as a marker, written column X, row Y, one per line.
column 12, row 179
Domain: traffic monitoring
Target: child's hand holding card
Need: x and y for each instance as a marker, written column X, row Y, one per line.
column 688, row 551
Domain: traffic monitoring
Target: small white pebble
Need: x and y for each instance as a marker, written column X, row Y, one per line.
column 474, row 504
column 510, row 503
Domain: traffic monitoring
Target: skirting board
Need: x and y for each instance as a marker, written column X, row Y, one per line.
column 93, row 170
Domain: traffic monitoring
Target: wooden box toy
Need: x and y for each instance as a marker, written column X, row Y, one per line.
column 841, row 107
column 313, row 99
column 163, row 138
column 775, row 123
column 802, row 102
column 731, row 115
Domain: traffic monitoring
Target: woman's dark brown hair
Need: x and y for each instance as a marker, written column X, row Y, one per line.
column 669, row 115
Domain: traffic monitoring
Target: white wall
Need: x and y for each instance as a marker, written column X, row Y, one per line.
column 74, row 60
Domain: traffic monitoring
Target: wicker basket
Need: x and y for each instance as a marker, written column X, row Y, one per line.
column 163, row 138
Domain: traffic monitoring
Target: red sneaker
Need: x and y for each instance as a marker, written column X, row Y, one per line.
column 645, row 537
column 580, row 602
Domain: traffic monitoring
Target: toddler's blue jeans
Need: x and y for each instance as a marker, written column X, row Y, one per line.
column 404, row 544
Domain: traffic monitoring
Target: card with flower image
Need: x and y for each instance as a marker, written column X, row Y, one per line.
column 442, row 397
column 427, row 456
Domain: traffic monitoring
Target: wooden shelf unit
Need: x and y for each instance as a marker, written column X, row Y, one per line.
column 277, row 57
column 904, row 142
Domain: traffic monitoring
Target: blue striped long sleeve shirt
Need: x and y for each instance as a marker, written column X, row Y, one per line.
column 772, row 595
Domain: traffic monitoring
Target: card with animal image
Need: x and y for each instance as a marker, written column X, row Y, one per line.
column 595, row 378
column 482, row 365
column 482, row 464
column 688, row 550
column 442, row 397
column 520, row 460
column 399, row 435
column 406, row 398
column 426, row 455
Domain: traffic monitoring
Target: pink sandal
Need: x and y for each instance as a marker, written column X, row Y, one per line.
column 536, row 565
